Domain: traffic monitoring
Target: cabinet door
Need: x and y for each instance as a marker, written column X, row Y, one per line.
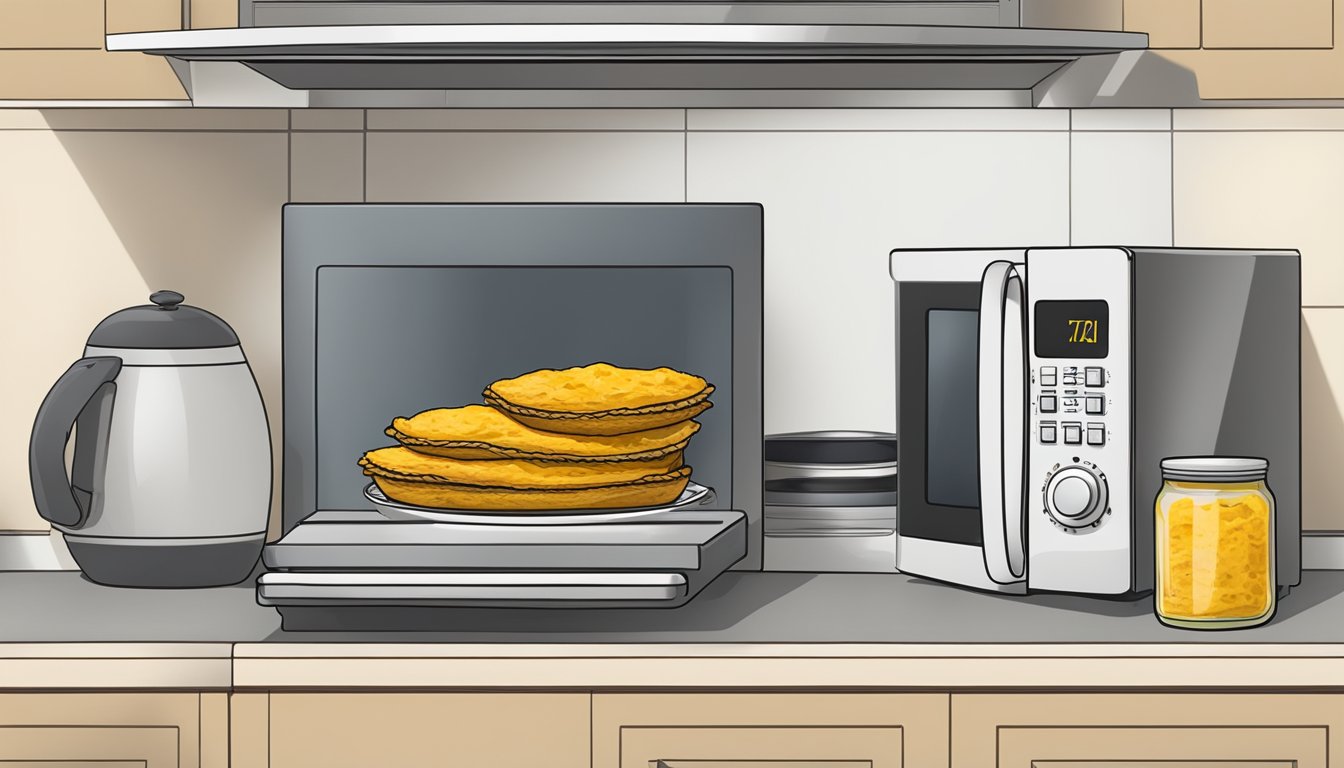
column 749, row 730
column 212, row 14
column 107, row 730
column 1168, row 23
column 1277, row 24
column 1163, row 730
column 1248, row 49
column 51, row 24
column 324, row 730
column 54, row 50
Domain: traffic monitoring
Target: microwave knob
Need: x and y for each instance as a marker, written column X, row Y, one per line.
column 1076, row 497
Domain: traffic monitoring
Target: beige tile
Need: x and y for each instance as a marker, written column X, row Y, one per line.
column 143, row 15
column 526, row 119
column 326, row 167
column 1121, row 191
column 835, row 205
column 22, row 118
column 525, row 167
column 145, row 119
column 1121, row 120
column 1259, row 119
column 327, row 119
column 91, row 222
column 1169, row 23
column 877, row 119
column 51, row 24
column 1265, row 190
column 1322, row 418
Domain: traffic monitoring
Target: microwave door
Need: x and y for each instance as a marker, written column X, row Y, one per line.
column 1001, row 396
column 948, row 446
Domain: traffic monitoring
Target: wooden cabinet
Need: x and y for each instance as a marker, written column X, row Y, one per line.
column 109, row 730
column 784, row 730
column 1166, row 730
column 1169, row 23
column 1248, row 49
column 52, row 50
column 670, row 730
column 325, row 730
column 1280, row 24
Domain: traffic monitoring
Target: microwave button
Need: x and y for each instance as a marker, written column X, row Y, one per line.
column 1048, row 433
column 1095, row 377
column 1073, row 434
column 1096, row 434
column 1095, row 405
column 1049, row 404
column 1048, row 376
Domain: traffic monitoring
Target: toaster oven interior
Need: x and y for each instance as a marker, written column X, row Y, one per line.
column 389, row 310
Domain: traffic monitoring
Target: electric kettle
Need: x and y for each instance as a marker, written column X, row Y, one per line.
column 170, row 483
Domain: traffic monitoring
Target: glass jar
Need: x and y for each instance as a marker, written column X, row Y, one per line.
column 1215, row 543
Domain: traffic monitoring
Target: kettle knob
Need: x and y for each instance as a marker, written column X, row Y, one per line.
column 167, row 300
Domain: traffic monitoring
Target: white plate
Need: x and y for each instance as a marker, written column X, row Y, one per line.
column 695, row 495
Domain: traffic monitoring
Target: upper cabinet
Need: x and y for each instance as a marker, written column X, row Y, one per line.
column 1247, row 49
column 1236, row 49
column 53, row 50
column 56, row 50
column 1280, row 24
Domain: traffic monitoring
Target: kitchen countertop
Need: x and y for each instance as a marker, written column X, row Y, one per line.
column 738, row 607
column 745, row 629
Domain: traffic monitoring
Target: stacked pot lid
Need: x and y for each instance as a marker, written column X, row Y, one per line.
column 831, row 483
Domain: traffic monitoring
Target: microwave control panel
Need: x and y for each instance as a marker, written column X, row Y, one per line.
column 1079, row 514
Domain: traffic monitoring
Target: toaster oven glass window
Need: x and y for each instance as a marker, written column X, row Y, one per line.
column 393, row 341
column 1073, row 329
column 951, row 396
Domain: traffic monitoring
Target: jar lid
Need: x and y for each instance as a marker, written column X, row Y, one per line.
column 1215, row 468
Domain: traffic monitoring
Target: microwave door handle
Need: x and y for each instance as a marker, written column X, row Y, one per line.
column 1001, row 390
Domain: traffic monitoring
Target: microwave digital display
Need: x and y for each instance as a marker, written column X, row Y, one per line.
column 1072, row 329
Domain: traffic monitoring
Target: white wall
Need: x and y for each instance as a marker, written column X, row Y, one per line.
column 99, row 207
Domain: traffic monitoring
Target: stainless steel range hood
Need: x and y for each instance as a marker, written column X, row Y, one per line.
column 686, row 53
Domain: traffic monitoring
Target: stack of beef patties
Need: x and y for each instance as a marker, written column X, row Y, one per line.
column 594, row 437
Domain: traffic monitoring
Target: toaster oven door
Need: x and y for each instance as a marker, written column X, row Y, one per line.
column 962, row 416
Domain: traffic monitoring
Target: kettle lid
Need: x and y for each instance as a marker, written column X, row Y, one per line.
column 167, row 323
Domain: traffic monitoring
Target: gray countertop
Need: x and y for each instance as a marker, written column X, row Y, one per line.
column 737, row 608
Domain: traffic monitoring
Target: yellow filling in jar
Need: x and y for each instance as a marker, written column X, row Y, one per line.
column 1217, row 558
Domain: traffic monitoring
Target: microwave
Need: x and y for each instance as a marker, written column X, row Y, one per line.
column 1038, row 390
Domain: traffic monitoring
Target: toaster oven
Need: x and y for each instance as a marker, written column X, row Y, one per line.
column 390, row 310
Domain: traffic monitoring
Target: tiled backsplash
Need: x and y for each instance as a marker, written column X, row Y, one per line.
column 99, row 207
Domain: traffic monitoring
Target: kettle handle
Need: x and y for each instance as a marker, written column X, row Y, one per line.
column 52, row 493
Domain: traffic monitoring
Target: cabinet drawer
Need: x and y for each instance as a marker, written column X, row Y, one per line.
column 107, row 730
column 745, row 730
column 391, row 729
column 761, row 747
column 1164, row 730
column 76, row 746
column 1269, row 23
